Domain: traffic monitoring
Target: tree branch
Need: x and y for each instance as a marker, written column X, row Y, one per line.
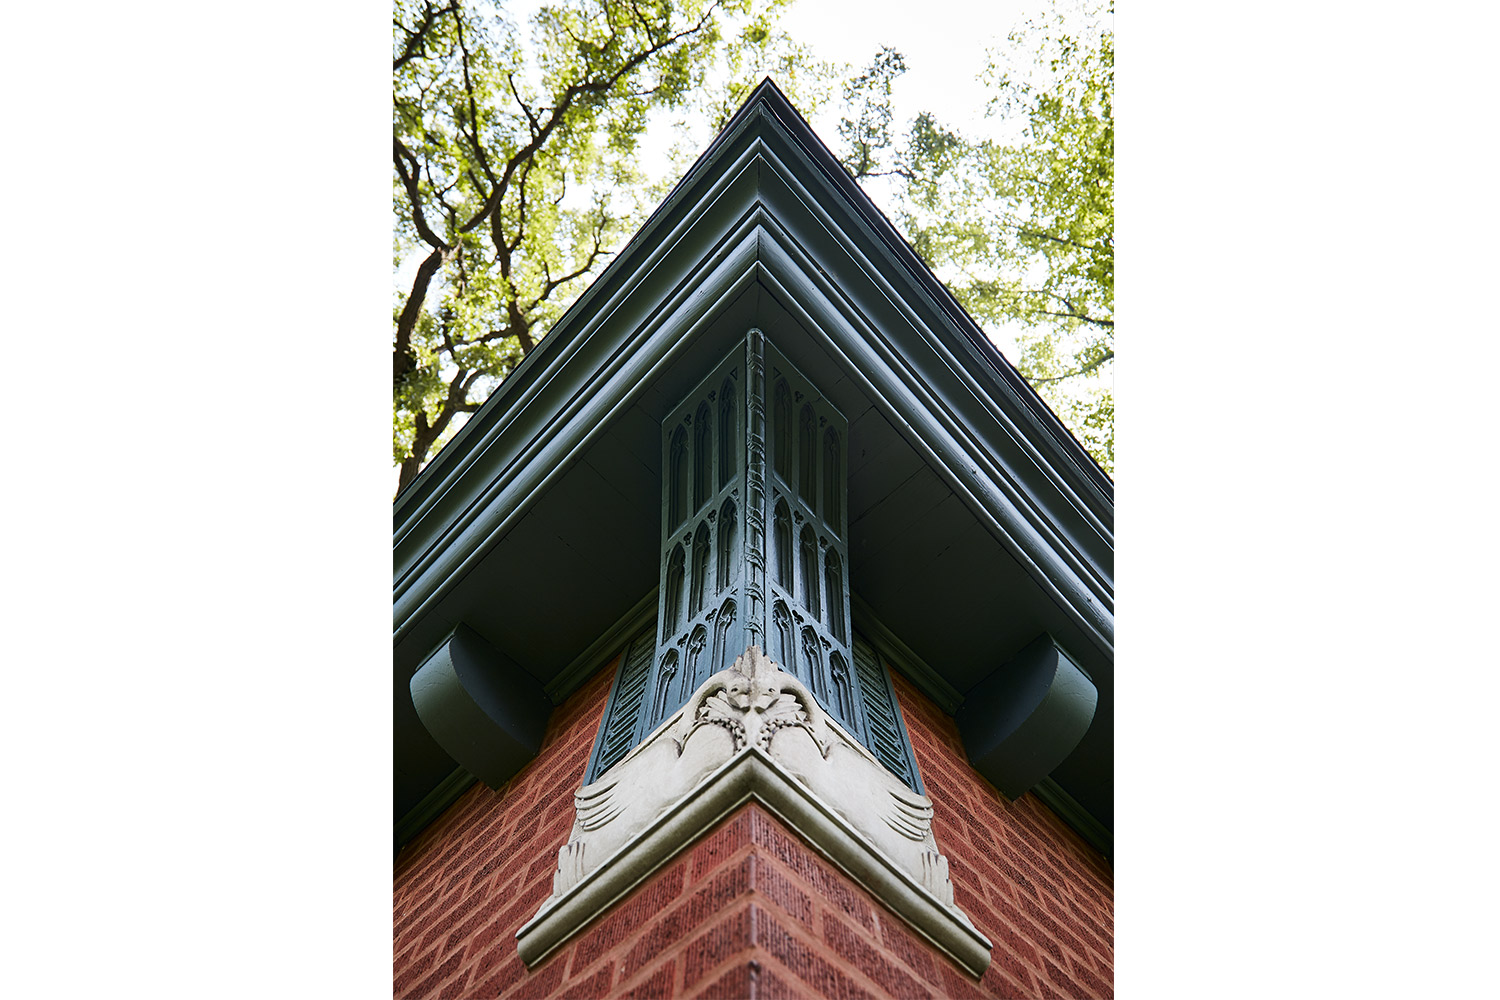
column 405, row 361
column 1108, row 355
column 521, row 220
column 493, row 336
column 416, row 40
column 525, row 108
column 1108, row 324
column 553, row 283
column 427, row 434
column 1055, row 239
column 484, row 161
column 564, row 105
column 414, row 192
column 603, row 71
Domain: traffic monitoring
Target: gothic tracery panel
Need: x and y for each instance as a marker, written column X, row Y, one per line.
column 753, row 518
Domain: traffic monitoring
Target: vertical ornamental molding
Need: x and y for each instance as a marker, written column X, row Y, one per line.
column 755, row 487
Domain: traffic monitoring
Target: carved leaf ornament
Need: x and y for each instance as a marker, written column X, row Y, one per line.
column 753, row 704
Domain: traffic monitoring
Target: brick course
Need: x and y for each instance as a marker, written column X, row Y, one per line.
column 468, row 882
column 1036, row 889
column 749, row 910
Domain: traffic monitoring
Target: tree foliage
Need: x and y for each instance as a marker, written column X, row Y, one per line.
column 516, row 176
column 1022, row 232
column 516, row 171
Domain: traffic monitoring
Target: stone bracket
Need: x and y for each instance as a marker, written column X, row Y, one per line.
column 752, row 775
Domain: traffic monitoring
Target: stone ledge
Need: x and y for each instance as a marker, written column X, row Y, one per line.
column 752, row 775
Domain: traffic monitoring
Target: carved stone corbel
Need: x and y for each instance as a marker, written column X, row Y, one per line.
column 753, row 704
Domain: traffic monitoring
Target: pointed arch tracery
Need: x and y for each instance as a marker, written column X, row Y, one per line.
column 672, row 604
column 728, row 528
column 809, row 572
column 833, row 482
column 703, row 431
column 701, row 551
column 807, row 486
column 782, row 528
column 833, row 579
column 728, row 445
column 677, row 462
column 781, row 428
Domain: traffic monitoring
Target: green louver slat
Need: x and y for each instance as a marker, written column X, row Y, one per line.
column 887, row 740
column 625, row 707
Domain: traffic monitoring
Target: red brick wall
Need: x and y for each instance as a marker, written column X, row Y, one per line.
column 749, row 910
column 1037, row 890
column 473, row 877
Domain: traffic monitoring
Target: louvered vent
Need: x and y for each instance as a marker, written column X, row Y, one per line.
column 887, row 736
column 625, row 706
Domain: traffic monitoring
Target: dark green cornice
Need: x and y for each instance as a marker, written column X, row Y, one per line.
column 977, row 522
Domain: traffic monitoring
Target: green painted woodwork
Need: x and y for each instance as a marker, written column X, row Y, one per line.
column 886, row 730
column 965, row 494
column 617, row 734
column 487, row 713
column 719, row 492
column 1023, row 720
column 754, row 552
column 876, row 723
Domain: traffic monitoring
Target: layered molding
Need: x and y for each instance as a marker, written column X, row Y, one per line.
column 756, row 223
column 433, row 805
column 753, row 732
column 1067, row 809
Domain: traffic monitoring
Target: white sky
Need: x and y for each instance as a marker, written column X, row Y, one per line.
column 944, row 49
